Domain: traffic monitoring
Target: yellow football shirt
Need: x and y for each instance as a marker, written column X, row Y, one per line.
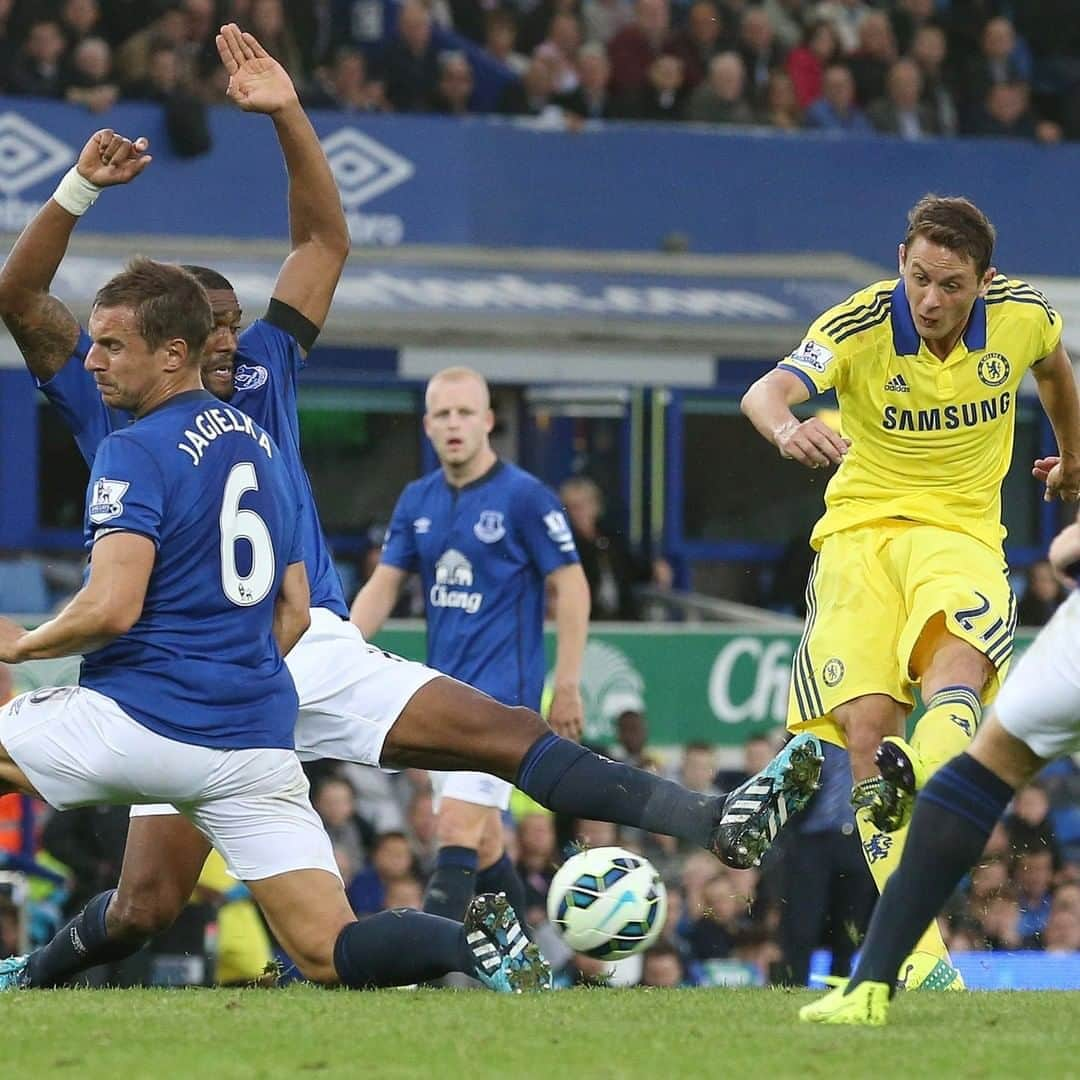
column 931, row 439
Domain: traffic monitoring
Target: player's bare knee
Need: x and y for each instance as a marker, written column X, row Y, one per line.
column 460, row 824
column 955, row 663
column 523, row 727
column 139, row 917
column 316, row 963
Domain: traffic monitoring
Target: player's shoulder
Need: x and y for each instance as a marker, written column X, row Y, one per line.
column 138, row 444
column 422, row 486
column 1019, row 300
column 862, row 312
column 519, row 480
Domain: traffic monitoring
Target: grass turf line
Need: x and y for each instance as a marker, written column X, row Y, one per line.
column 226, row 1034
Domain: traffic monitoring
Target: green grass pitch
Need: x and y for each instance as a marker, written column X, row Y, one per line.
column 302, row 1031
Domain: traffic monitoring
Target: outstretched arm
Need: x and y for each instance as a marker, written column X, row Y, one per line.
column 319, row 235
column 43, row 328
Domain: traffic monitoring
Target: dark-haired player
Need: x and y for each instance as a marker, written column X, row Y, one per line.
column 183, row 692
column 909, row 587
column 356, row 703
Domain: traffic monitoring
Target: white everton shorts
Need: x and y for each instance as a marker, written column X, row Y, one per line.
column 351, row 694
column 1040, row 701
column 79, row 748
column 470, row 787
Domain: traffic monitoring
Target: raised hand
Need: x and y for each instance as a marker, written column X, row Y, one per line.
column 257, row 82
column 109, row 158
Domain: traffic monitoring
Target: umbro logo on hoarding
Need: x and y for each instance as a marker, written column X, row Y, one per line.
column 28, row 154
column 363, row 168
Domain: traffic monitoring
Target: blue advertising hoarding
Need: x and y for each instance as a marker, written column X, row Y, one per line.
column 434, row 180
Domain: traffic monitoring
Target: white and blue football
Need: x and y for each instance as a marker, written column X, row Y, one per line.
column 607, row 903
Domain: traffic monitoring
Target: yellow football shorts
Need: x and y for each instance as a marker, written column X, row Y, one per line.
column 872, row 592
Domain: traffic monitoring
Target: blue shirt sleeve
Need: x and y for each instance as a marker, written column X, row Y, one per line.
column 126, row 492
column 75, row 396
column 264, row 343
column 399, row 547
column 545, row 531
column 296, row 548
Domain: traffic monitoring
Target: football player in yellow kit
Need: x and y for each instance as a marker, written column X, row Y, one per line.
column 910, row 587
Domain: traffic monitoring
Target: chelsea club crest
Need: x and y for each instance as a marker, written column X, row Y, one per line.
column 993, row 369
column 490, row 528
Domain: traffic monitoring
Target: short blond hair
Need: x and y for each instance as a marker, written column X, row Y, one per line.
column 458, row 373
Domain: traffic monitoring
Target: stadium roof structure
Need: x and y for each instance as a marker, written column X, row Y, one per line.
column 686, row 311
column 726, row 307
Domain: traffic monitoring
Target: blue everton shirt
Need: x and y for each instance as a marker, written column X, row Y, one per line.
column 268, row 360
column 483, row 551
column 209, row 487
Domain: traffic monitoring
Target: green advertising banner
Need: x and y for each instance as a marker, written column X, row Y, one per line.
column 694, row 683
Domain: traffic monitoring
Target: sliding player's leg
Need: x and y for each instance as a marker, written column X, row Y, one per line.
column 450, row 726
column 274, row 842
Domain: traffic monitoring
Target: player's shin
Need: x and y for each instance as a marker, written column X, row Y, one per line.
column 953, row 818
column 452, row 883
column 947, row 727
column 883, row 852
column 567, row 778
column 82, row 944
column 398, row 948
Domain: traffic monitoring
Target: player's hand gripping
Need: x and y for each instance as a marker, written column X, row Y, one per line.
column 109, row 158
column 567, row 714
column 257, row 82
column 1061, row 477
column 811, row 443
column 10, row 635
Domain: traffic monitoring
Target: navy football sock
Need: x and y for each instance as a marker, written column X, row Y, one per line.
column 453, row 883
column 502, row 877
column 954, row 815
column 569, row 779
column 82, row 944
column 400, row 947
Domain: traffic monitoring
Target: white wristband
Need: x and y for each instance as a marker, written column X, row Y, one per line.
column 75, row 193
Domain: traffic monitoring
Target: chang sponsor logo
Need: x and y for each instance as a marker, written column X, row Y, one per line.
column 453, row 584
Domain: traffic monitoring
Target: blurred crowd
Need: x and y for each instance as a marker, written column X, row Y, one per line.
column 905, row 68
column 723, row 928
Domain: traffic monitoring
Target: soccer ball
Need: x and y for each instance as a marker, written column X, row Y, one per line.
column 607, row 903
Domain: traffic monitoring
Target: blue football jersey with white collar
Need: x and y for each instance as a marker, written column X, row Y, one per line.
column 268, row 360
column 211, row 490
column 483, row 552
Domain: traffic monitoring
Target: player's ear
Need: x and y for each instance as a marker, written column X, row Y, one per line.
column 987, row 280
column 489, row 421
column 901, row 256
column 176, row 354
